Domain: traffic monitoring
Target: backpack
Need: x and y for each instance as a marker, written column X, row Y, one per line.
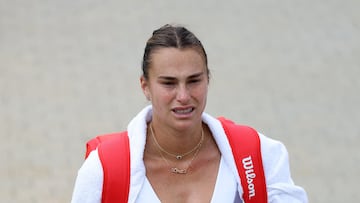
column 114, row 154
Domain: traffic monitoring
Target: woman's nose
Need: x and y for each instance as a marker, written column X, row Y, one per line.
column 183, row 94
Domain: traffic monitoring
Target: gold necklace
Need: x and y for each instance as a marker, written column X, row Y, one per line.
column 177, row 170
column 177, row 156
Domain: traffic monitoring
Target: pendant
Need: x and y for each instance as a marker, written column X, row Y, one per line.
column 178, row 157
column 178, row 171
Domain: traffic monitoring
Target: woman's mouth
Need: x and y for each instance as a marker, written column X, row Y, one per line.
column 183, row 111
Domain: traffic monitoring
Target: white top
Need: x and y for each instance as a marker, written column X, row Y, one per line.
column 224, row 179
column 280, row 187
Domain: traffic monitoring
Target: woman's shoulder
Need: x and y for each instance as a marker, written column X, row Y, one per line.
column 88, row 185
column 271, row 147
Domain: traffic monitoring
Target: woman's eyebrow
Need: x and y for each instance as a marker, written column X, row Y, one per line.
column 163, row 77
column 166, row 78
column 196, row 75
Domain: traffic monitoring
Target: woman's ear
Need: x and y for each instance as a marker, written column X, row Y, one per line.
column 145, row 87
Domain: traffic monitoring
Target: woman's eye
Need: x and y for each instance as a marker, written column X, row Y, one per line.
column 194, row 81
column 168, row 83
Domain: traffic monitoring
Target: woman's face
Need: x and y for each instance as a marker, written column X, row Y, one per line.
column 177, row 87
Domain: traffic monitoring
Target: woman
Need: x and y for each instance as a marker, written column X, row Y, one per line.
column 179, row 153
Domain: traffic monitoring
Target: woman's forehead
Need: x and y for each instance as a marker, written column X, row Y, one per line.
column 173, row 61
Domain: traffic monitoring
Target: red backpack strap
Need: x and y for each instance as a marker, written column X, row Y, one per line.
column 114, row 154
column 92, row 144
column 245, row 145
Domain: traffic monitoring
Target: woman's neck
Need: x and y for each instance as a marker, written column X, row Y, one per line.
column 176, row 141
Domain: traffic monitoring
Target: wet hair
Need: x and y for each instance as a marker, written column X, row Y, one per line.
column 171, row 36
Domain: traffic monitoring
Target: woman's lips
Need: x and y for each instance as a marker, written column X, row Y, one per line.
column 183, row 111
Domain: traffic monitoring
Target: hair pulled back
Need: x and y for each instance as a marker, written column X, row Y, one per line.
column 171, row 36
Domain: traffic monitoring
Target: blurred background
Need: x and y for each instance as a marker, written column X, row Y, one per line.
column 69, row 70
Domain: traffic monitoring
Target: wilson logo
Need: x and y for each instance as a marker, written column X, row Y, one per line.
column 250, row 175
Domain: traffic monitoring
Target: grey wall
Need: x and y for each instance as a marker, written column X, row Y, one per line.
column 69, row 70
